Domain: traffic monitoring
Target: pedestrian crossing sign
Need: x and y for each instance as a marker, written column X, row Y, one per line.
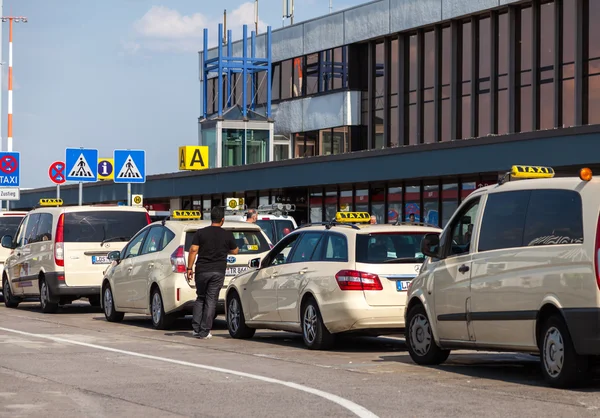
column 81, row 164
column 130, row 166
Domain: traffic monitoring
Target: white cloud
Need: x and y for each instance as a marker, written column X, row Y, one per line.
column 166, row 30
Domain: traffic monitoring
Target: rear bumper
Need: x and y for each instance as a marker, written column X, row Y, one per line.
column 357, row 315
column 584, row 327
column 59, row 288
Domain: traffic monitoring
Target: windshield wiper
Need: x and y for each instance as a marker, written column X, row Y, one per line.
column 114, row 239
column 403, row 260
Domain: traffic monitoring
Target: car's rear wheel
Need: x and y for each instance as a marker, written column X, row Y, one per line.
column 316, row 336
column 9, row 300
column 45, row 298
column 236, row 323
column 562, row 367
column 419, row 339
column 160, row 320
column 110, row 313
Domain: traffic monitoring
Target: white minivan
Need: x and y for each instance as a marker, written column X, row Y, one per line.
column 9, row 222
column 59, row 254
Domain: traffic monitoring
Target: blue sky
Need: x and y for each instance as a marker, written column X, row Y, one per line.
column 115, row 74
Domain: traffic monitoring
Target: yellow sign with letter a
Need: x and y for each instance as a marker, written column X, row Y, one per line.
column 193, row 157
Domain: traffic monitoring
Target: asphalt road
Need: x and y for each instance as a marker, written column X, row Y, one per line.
column 75, row 363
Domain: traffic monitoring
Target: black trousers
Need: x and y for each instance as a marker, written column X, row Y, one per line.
column 208, row 286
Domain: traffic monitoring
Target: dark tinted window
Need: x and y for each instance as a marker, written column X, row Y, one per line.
column 336, row 248
column 503, row 220
column 168, row 236
column 152, row 243
column 248, row 241
column 395, row 247
column 306, row 247
column 44, row 228
column 9, row 225
column 31, row 227
column 98, row 226
column 275, row 229
column 553, row 217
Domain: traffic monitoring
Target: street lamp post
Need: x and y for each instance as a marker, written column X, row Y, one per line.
column 9, row 139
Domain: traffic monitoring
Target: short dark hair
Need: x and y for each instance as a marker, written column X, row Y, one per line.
column 217, row 214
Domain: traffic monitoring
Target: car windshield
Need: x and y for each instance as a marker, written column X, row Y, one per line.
column 276, row 229
column 394, row 247
column 248, row 241
column 9, row 225
column 99, row 226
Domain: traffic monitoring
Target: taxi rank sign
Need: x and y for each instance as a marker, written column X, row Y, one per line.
column 10, row 169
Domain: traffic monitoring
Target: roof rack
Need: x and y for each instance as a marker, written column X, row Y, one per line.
column 404, row 223
column 330, row 224
column 276, row 209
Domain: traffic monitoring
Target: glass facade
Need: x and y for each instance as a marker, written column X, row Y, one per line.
column 244, row 146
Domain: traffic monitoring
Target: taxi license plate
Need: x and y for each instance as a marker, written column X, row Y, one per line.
column 100, row 259
column 234, row 271
column 402, row 285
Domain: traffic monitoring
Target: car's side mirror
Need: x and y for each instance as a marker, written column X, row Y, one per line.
column 254, row 263
column 7, row 242
column 114, row 256
column 430, row 245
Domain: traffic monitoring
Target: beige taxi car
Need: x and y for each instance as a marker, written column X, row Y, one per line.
column 148, row 275
column 9, row 222
column 517, row 268
column 325, row 279
column 58, row 254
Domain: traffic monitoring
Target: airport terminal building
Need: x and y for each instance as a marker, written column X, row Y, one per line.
column 394, row 107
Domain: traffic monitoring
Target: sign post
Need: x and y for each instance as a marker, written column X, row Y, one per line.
column 10, row 177
column 130, row 167
column 56, row 172
column 79, row 167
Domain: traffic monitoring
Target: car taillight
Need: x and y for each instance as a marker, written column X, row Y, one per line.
column 59, row 245
column 148, row 218
column 597, row 253
column 178, row 260
column 358, row 280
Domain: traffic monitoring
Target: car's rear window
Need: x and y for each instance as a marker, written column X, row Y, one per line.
column 394, row 247
column 98, row 226
column 9, row 225
column 248, row 241
column 275, row 229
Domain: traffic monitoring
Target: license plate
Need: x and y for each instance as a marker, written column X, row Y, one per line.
column 402, row 285
column 234, row 271
column 100, row 259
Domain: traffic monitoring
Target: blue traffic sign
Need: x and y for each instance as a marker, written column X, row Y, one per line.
column 130, row 166
column 81, row 164
column 10, row 169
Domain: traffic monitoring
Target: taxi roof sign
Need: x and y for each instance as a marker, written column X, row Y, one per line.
column 51, row 202
column 186, row 214
column 531, row 172
column 353, row 217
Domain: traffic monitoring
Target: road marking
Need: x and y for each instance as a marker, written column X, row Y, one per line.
column 356, row 409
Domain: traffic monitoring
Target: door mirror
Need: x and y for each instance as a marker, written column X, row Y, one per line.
column 254, row 263
column 114, row 256
column 430, row 245
column 7, row 242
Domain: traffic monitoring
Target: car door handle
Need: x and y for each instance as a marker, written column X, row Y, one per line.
column 304, row 270
column 463, row 269
column 151, row 265
column 129, row 269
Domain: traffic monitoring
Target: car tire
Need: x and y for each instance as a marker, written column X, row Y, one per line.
column 236, row 323
column 108, row 303
column 160, row 320
column 419, row 339
column 94, row 301
column 314, row 333
column 45, row 295
column 562, row 367
column 9, row 300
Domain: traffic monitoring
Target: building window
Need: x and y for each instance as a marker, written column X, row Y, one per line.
column 502, row 80
column 236, row 90
column 568, row 62
column 467, row 60
column 431, row 204
column 209, row 138
column 210, row 102
column 282, row 151
column 483, row 83
column 428, row 90
column 378, row 203
column 276, row 82
column 449, row 201
column 297, row 77
column 261, row 87
column 232, row 147
column 312, row 73
column 286, row 79
column 331, row 203
column 525, row 91
column 411, row 95
column 338, row 68
column 316, row 205
column 257, row 146
column 412, row 204
column 547, row 33
column 394, row 196
column 446, row 131
column 361, row 200
column 378, row 96
column 306, row 144
column 346, row 201
column 593, row 64
column 393, row 111
column 326, row 70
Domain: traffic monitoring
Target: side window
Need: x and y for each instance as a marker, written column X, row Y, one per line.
column 336, row 248
column 135, row 246
column 280, row 253
column 306, row 247
column 152, row 243
column 44, row 229
column 18, row 238
column 461, row 230
column 31, row 228
column 553, row 217
column 503, row 220
column 168, row 236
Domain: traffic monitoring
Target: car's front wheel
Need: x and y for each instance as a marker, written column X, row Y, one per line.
column 9, row 300
column 236, row 323
column 419, row 339
column 110, row 312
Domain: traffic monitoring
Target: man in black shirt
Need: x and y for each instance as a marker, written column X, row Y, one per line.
column 212, row 245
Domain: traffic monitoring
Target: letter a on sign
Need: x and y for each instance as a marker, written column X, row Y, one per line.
column 193, row 158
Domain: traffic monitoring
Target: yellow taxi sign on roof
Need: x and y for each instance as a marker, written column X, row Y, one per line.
column 353, row 217
column 51, row 202
column 531, row 172
column 186, row 214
